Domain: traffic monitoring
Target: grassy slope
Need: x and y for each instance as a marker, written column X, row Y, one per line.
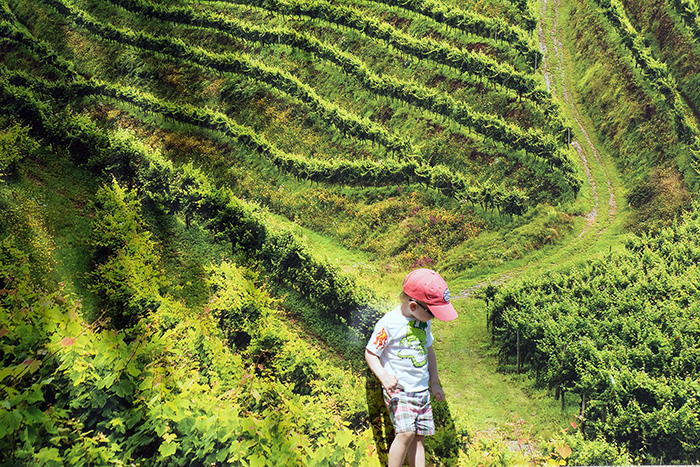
column 503, row 406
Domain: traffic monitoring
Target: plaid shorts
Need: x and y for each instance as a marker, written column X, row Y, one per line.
column 410, row 411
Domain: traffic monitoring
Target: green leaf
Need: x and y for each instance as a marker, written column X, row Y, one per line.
column 256, row 461
column 344, row 438
column 124, row 388
column 33, row 414
column 35, row 396
column 168, row 449
column 5, row 372
column 48, row 454
column 133, row 370
column 221, row 455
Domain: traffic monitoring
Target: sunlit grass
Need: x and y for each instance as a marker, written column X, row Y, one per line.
column 485, row 397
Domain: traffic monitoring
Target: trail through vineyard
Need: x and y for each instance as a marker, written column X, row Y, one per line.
column 554, row 71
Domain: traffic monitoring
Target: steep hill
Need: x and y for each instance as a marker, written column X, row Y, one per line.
column 206, row 205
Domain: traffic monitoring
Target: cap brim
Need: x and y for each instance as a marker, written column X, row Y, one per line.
column 444, row 312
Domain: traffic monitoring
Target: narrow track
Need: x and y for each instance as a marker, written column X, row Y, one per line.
column 553, row 67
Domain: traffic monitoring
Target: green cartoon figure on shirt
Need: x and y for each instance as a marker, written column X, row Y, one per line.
column 415, row 341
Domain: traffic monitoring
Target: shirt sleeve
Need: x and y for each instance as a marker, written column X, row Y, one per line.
column 429, row 336
column 377, row 342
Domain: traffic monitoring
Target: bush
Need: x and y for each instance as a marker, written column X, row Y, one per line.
column 15, row 145
column 126, row 267
column 236, row 303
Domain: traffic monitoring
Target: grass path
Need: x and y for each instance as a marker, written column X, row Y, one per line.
column 483, row 396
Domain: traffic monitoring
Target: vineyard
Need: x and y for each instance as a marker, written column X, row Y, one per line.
column 167, row 168
column 621, row 333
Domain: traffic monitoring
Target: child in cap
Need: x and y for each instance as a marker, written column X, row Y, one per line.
column 401, row 355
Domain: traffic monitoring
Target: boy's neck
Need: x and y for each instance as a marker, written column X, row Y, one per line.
column 406, row 310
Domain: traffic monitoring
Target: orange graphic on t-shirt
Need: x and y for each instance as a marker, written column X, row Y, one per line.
column 380, row 341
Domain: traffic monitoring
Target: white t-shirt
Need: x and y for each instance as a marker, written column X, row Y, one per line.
column 401, row 343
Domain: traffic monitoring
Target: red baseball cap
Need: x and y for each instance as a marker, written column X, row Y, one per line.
column 427, row 286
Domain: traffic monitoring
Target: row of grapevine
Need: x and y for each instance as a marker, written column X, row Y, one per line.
column 615, row 12
column 689, row 11
column 622, row 333
column 289, row 262
column 533, row 141
column 509, row 201
column 527, row 15
column 346, row 122
column 155, row 393
column 8, row 31
column 659, row 75
column 472, row 23
column 464, row 61
column 381, row 85
column 362, row 173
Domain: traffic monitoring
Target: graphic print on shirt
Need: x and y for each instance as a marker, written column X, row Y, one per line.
column 415, row 340
column 380, row 341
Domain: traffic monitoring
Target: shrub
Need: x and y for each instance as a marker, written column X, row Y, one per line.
column 236, row 303
column 126, row 267
column 15, row 145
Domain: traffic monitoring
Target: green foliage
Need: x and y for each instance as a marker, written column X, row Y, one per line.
column 421, row 48
column 126, row 265
column 609, row 331
column 22, row 229
column 658, row 201
column 543, row 146
column 547, row 227
column 169, row 393
column 663, row 90
column 122, row 157
column 36, row 426
column 228, row 382
column 238, row 309
column 471, row 23
column 15, row 144
column 571, row 448
column 346, row 122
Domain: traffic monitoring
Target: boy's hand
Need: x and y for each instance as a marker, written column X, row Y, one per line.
column 437, row 391
column 389, row 381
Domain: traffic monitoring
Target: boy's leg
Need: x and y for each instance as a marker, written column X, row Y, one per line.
column 399, row 448
column 416, row 452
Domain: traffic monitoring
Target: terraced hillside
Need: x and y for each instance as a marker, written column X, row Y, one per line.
column 370, row 100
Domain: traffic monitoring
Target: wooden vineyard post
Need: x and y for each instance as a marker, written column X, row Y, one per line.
column 517, row 339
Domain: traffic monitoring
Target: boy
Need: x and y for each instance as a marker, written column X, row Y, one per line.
column 401, row 355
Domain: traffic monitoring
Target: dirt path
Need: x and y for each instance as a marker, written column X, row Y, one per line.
column 553, row 70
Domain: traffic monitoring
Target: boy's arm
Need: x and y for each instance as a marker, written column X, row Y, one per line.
column 435, row 386
column 388, row 380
